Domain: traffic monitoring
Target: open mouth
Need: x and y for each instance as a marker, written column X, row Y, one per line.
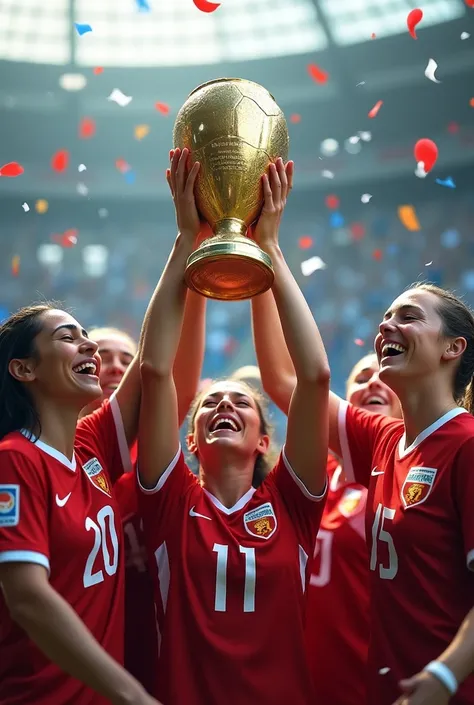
column 224, row 423
column 85, row 368
column 375, row 400
column 392, row 350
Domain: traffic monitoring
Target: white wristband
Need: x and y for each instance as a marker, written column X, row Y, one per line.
column 444, row 675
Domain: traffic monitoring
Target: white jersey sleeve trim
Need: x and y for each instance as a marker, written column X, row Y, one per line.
column 470, row 560
column 344, row 441
column 164, row 476
column 300, row 483
column 25, row 557
column 121, row 437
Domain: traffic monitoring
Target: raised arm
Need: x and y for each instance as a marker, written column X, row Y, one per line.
column 307, row 432
column 276, row 365
column 190, row 355
column 159, row 421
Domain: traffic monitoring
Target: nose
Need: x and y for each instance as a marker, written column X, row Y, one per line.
column 225, row 403
column 386, row 327
column 374, row 381
column 116, row 366
column 89, row 346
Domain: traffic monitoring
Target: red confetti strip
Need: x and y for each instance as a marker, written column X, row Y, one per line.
column 471, row 102
column 87, row 128
column 377, row 255
column 317, row 74
column 60, row 160
column 305, row 242
column 122, row 165
column 295, row 118
column 162, row 108
column 469, row 3
column 358, row 231
column 66, row 239
column 426, row 151
column 332, row 202
column 373, row 35
column 97, row 70
column 359, row 342
column 11, row 169
column 414, row 18
column 206, row 6
column 375, row 109
column 15, row 265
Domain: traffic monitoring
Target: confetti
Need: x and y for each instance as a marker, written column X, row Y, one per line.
column 82, row 28
column 359, row 342
column 98, row 70
column 143, row 6
column 336, row 220
column 449, row 183
column 354, row 139
column 305, row 242
column 326, row 174
column 361, row 83
column 384, row 671
column 162, row 108
column 206, row 6
column 312, row 265
column 465, row 35
column 295, row 118
column 41, row 206
column 15, row 265
column 11, row 169
column 427, row 264
column 130, row 177
column 375, row 109
column 420, row 170
column 414, row 18
column 81, row 167
column 60, row 160
column 87, row 128
column 25, row 207
column 358, row 231
column 469, row 3
column 67, row 239
column 471, row 102
column 408, row 218
column 120, row 98
column 317, row 74
column 426, row 151
column 377, row 255
column 141, row 131
column 122, row 165
column 82, row 189
column 103, row 212
column 430, row 71
column 365, row 136
column 332, row 201
column 453, row 128
column 365, row 198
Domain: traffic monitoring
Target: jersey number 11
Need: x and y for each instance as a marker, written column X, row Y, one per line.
column 220, row 602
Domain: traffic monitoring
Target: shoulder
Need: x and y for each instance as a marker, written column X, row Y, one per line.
column 15, row 448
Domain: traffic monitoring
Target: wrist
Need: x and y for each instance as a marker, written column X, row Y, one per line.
column 444, row 675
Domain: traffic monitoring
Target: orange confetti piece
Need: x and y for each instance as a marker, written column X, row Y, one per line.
column 317, row 74
column 375, row 109
column 408, row 218
column 162, row 108
column 11, row 169
column 377, row 255
column 295, row 118
column 141, row 131
column 87, row 128
column 305, row 242
column 15, row 265
column 41, row 206
column 60, row 160
column 97, row 70
column 471, row 102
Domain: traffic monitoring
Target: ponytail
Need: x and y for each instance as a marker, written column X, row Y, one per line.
column 468, row 399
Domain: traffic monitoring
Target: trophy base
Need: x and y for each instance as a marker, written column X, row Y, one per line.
column 229, row 269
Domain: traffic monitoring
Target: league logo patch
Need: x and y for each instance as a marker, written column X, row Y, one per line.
column 417, row 486
column 350, row 501
column 261, row 522
column 97, row 476
column 9, row 505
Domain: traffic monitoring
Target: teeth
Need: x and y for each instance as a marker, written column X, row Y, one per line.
column 392, row 346
column 222, row 420
column 84, row 366
column 375, row 400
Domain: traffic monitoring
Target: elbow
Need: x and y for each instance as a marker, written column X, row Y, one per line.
column 319, row 376
column 152, row 371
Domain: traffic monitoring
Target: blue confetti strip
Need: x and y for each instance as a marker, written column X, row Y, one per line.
column 82, row 28
column 449, row 183
column 130, row 177
column 143, row 6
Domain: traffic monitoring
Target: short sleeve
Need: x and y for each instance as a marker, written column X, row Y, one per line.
column 102, row 432
column 304, row 509
column 359, row 432
column 463, row 490
column 159, row 506
column 24, row 532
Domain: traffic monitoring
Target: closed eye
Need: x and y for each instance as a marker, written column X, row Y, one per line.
column 67, row 337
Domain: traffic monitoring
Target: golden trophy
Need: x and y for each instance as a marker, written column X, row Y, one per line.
column 235, row 129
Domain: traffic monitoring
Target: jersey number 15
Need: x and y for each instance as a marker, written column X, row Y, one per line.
column 382, row 535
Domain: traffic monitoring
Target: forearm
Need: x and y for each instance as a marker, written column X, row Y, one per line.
column 164, row 317
column 459, row 656
column 300, row 331
column 190, row 353
column 56, row 629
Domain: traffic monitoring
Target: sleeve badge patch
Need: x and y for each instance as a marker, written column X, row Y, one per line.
column 9, row 505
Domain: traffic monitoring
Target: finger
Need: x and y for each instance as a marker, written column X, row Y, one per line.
column 168, row 179
column 174, row 166
column 267, row 192
column 283, row 180
column 181, row 171
column 171, row 154
column 191, row 180
column 275, row 184
column 408, row 685
column 290, row 172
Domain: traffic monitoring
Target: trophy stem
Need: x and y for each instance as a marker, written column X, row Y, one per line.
column 230, row 227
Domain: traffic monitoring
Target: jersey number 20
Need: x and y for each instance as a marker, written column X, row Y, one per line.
column 105, row 525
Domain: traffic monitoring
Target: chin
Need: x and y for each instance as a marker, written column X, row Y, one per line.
column 108, row 391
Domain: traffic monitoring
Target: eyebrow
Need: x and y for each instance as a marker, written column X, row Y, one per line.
column 121, row 352
column 241, row 395
column 406, row 307
column 72, row 327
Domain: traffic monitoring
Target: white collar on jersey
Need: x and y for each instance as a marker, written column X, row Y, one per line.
column 402, row 451
column 70, row 464
column 238, row 505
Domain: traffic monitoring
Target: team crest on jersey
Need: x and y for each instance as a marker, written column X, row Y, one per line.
column 350, row 501
column 9, row 505
column 97, row 476
column 261, row 522
column 417, row 486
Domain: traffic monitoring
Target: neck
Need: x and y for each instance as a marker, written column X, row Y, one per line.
column 58, row 426
column 424, row 404
column 228, row 479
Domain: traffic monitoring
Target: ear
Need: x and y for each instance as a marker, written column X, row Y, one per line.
column 263, row 444
column 22, row 370
column 191, row 444
column 454, row 349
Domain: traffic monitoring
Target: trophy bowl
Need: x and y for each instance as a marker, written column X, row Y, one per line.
column 235, row 129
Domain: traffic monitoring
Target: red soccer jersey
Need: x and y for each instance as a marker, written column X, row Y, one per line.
column 337, row 621
column 61, row 514
column 141, row 637
column 232, row 584
column 420, row 529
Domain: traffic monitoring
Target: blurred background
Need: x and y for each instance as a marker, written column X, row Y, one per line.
column 90, row 221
